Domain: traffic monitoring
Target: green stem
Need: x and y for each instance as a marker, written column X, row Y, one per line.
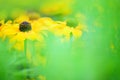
column 25, row 53
column 25, row 48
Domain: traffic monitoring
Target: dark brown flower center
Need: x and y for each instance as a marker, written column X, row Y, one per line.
column 0, row 24
column 25, row 26
column 72, row 23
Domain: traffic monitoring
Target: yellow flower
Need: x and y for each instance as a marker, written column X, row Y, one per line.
column 70, row 32
column 62, row 7
column 2, row 26
column 62, row 30
column 58, row 28
column 19, row 32
column 22, row 31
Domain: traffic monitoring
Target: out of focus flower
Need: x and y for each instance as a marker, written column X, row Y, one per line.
column 19, row 32
column 22, row 31
column 61, row 29
column 62, row 7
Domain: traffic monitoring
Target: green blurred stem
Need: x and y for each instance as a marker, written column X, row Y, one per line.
column 25, row 53
column 25, row 48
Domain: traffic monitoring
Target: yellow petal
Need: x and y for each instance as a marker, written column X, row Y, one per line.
column 76, row 33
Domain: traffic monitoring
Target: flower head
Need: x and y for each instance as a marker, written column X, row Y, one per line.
column 63, row 30
column 19, row 32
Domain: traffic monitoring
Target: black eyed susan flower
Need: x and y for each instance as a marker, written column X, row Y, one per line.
column 69, row 32
column 62, row 7
column 61, row 29
column 19, row 32
column 23, row 30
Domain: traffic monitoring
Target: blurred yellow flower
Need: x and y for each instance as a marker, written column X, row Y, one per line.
column 62, row 7
column 22, row 31
column 61, row 29
column 19, row 32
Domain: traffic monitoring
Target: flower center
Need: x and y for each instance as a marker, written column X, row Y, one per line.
column 25, row 26
column 0, row 24
column 72, row 23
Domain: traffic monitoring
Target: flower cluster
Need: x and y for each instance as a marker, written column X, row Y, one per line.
column 27, row 33
column 27, row 27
